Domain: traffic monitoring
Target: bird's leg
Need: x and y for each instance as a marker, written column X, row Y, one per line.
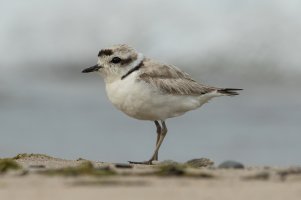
column 163, row 133
column 162, row 136
column 158, row 136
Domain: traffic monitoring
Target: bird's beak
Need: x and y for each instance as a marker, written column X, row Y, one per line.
column 92, row 69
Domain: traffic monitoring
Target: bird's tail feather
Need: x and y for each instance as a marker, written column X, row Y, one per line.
column 229, row 91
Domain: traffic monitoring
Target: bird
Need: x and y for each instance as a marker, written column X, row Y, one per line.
column 146, row 89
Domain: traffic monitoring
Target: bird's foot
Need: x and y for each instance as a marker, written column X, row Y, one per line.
column 149, row 162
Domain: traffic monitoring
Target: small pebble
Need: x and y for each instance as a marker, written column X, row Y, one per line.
column 123, row 165
column 80, row 159
column 230, row 164
column 200, row 162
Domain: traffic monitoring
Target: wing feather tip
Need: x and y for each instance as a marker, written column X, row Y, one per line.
column 229, row 91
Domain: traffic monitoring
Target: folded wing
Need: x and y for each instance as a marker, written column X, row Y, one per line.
column 171, row 80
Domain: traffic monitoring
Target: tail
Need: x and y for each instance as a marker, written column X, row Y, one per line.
column 228, row 91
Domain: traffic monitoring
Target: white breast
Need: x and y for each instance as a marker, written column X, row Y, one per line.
column 141, row 101
column 128, row 95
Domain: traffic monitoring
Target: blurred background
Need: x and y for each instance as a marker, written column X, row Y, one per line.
column 47, row 105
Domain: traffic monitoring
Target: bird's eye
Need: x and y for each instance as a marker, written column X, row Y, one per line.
column 116, row 60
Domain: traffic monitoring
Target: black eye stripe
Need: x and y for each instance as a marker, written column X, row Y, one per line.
column 116, row 60
column 126, row 61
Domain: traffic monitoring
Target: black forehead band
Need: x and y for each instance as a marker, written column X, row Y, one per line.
column 106, row 52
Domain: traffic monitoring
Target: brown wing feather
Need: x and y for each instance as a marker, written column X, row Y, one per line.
column 171, row 80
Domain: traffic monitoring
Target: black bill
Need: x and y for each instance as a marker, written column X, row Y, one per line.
column 92, row 69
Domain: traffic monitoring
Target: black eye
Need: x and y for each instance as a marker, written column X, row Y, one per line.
column 116, row 60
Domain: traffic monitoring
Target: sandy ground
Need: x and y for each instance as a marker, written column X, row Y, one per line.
column 141, row 182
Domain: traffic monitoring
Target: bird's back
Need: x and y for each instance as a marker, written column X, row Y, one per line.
column 171, row 80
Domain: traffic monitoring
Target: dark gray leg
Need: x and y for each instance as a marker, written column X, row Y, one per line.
column 158, row 136
column 162, row 135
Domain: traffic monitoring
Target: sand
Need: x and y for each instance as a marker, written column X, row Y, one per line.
column 143, row 182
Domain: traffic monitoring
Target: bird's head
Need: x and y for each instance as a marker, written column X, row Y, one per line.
column 116, row 61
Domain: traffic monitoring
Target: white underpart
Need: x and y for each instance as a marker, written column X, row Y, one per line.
column 142, row 101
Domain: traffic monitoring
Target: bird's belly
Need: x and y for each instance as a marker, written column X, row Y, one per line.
column 140, row 101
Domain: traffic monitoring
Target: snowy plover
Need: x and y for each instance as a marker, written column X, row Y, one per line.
column 146, row 89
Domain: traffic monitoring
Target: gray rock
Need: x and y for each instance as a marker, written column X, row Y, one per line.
column 230, row 164
column 200, row 162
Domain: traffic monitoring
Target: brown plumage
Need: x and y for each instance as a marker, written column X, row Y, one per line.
column 171, row 80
